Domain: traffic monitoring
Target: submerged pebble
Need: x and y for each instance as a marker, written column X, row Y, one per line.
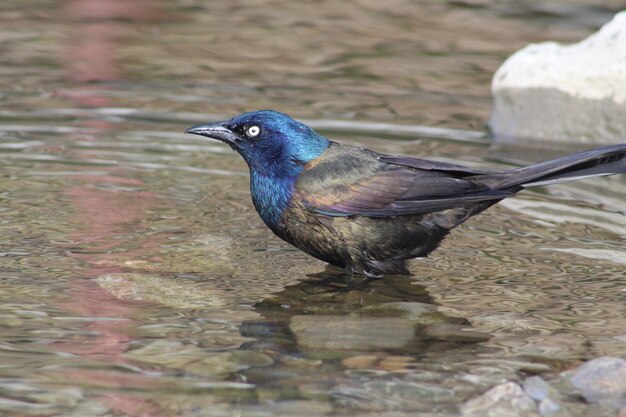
column 179, row 356
column 395, row 394
column 539, row 389
column 602, row 380
column 550, row 408
column 504, row 400
column 338, row 332
column 171, row 292
column 454, row 333
column 547, row 397
column 421, row 313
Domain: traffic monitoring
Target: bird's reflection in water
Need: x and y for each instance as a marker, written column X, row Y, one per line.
column 343, row 293
column 351, row 314
column 332, row 321
column 325, row 296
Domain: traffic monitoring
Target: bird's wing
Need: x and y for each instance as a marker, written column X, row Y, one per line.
column 359, row 182
column 428, row 165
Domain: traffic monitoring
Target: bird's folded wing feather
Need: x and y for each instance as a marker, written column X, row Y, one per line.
column 429, row 165
column 382, row 188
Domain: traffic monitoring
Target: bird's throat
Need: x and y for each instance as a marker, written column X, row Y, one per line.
column 270, row 196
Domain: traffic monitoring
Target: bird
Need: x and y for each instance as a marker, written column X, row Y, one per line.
column 367, row 212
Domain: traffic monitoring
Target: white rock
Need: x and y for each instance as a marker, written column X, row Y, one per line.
column 564, row 93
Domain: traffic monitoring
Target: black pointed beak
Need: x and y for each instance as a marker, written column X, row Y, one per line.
column 216, row 130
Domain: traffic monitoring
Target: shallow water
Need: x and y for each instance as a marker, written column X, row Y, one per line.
column 136, row 278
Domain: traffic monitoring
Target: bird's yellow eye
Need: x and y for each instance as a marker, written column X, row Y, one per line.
column 253, row 131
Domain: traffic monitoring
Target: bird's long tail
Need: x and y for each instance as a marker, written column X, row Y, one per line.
column 607, row 160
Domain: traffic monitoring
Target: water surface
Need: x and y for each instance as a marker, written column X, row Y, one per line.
column 136, row 278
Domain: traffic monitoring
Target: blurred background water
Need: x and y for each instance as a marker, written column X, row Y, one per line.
column 136, row 278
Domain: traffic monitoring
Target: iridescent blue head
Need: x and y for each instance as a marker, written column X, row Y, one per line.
column 271, row 142
column 276, row 148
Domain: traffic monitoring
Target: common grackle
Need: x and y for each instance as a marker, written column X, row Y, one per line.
column 367, row 212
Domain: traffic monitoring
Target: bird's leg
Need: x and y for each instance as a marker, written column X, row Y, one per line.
column 342, row 282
